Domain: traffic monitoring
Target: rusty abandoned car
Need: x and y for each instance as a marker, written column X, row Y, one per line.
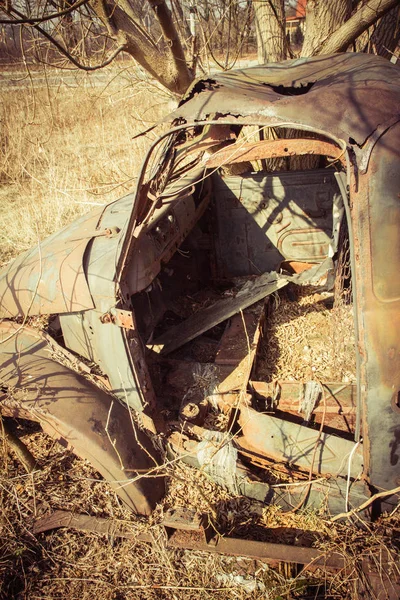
column 270, row 181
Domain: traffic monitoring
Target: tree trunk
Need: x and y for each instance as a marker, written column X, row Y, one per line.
column 382, row 38
column 322, row 18
column 368, row 14
column 168, row 66
column 270, row 28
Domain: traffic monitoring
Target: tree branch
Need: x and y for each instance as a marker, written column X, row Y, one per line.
column 18, row 447
column 160, row 64
column 34, row 20
column 367, row 503
column 355, row 26
column 170, row 34
column 65, row 52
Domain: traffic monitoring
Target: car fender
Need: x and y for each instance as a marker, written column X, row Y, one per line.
column 79, row 415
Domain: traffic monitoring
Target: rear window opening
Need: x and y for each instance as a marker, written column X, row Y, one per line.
column 293, row 90
column 292, row 352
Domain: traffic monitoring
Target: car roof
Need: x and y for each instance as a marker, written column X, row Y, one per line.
column 348, row 95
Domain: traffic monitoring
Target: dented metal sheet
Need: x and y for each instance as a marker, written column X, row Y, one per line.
column 265, row 218
column 50, row 278
column 294, row 444
column 79, row 415
column 306, row 91
column 376, row 218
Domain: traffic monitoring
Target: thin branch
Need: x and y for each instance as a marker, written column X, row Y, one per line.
column 34, row 20
column 170, row 35
column 367, row 503
column 18, row 447
column 71, row 58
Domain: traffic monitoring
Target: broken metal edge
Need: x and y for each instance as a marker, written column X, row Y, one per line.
column 91, row 423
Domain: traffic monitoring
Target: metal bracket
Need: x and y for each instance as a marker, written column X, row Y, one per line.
column 124, row 319
column 186, row 529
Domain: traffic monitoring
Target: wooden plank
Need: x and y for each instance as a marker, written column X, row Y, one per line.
column 222, row 310
column 238, row 338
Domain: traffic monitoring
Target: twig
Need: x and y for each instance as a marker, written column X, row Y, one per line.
column 32, row 21
column 366, row 503
column 18, row 447
column 68, row 55
column 113, row 443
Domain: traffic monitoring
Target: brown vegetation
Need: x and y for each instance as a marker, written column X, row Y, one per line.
column 66, row 145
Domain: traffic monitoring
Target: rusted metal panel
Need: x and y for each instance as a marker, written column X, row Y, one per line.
column 309, row 92
column 240, row 152
column 156, row 240
column 337, row 406
column 124, row 319
column 50, row 278
column 333, row 492
column 264, row 218
column 217, row 313
column 110, row 527
column 116, row 350
column 294, row 444
column 80, row 416
column 376, row 218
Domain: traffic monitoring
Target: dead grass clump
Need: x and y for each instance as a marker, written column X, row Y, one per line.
column 308, row 339
column 66, row 148
column 69, row 564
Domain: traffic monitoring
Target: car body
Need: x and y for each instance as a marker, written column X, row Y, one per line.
column 202, row 217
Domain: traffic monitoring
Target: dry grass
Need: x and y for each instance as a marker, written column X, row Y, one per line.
column 308, row 339
column 67, row 564
column 64, row 149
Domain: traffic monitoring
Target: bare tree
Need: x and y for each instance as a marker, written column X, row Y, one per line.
column 323, row 18
column 382, row 38
column 160, row 34
column 365, row 15
column 120, row 24
column 330, row 26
